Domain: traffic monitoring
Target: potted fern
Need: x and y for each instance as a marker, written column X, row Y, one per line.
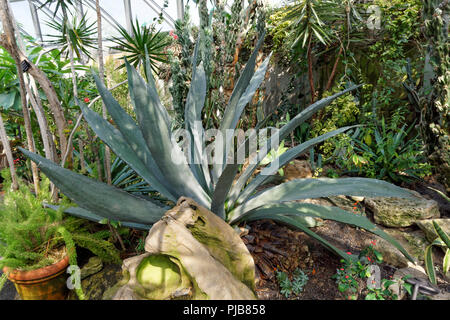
column 38, row 244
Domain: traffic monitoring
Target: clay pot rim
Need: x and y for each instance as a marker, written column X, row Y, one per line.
column 44, row 272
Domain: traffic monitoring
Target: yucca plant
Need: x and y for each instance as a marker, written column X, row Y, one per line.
column 80, row 33
column 142, row 40
column 150, row 149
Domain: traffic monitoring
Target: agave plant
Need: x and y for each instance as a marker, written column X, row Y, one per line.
column 149, row 147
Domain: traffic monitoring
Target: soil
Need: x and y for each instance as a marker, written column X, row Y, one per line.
column 278, row 248
column 275, row 247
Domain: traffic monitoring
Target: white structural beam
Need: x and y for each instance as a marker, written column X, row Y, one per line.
column 128, row 15
column 36, row 23
column 180, row 9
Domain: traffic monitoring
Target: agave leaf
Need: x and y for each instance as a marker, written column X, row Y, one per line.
column 246, row 97
column 238, row 91
column 299, row 209
column 321, row 187
column 226, row 179
column 295, row 222
column 194, row 105
column 283, row 133
column 225, row 182
column 97, row 197
column 115, row 140
column 156, row 132
column 429, row 266
column 281, row 161
column 85, row 214
column 130, row 131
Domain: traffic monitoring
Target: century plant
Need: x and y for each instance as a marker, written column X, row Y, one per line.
column 150, row 149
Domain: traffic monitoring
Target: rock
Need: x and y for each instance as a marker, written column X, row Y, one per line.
column 357, row 199
column 348, row 238
column 297, row 169
column 342, row 202
column 93, row 266
column 428, row 228
column 444, row 295
column 414, row 243
column 399, row 212
column 241, row 231
column 412, row 270
column 190, row 254
column 96, row 285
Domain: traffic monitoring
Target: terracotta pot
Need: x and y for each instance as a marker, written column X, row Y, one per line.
column 47, row 283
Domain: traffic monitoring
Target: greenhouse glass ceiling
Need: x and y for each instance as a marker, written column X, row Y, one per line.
column 33, row 16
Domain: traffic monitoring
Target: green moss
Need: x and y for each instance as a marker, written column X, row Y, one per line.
column 158, row 276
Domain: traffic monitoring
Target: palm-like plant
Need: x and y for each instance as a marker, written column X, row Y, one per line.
column 64, row 5
column 309, row 19
column 143, row 40
column 149, row 149
column 80, row 33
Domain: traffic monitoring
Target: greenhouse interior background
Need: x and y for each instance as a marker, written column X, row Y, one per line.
column 225, row 150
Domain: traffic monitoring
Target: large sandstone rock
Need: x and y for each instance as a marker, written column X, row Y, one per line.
column 297, row 169
column 414, row 243
column 427, row 227
column 349, row 238
column 98, row 279
column 398, row 212
column 190, row 254
column 410, row 271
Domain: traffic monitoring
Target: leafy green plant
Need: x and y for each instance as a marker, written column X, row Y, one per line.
column 347, row 276
column 387, row 152
column 443, row 240
column 341, row 112
column 142, row 40
column 382, row 293
column 150, row 149
column 353, row 271
column 274, row 154
column 32, row 237
column 288, row 287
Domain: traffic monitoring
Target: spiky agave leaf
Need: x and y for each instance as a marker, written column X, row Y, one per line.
column 94, row 196
column 295, row 210
column 321, row 187
column 153, row 122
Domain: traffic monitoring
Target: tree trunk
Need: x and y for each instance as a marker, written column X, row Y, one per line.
column 333, row 72
column 9, row 156
column 43, row 125
column 101, row 69
column 10, row 40
column 81, row 147
column 40, row 77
